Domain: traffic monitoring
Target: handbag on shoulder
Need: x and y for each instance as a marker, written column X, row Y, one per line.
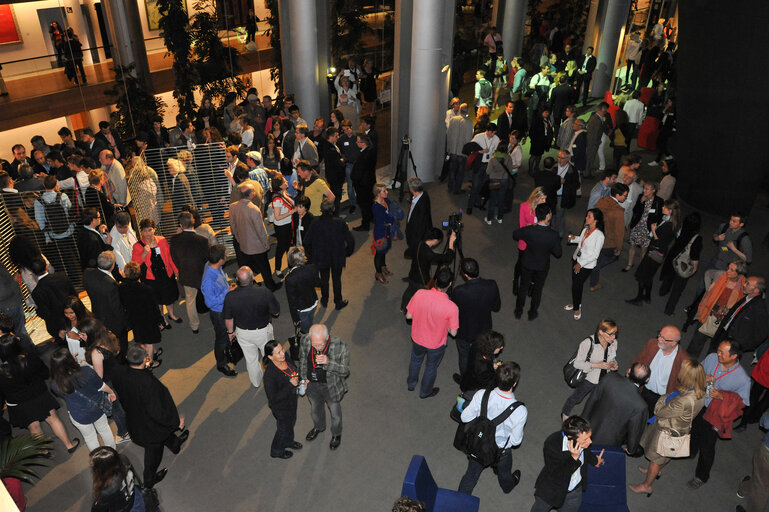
column 572, row 375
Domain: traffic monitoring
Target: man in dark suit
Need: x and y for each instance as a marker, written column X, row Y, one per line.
column 561, row 97
column 92, row 146
column 189, row 251
column 92, row 238
column 367, row 127
column 335, row 165
column 578, row 147
column 105, row 297
column 505, row 121
column 549, row 181
column 49, row 295
column 420, row 218
column 541, row 134
column 178, row 186
column 476, row 299
column 541, row 242
column 746, row 322
column 150, row 413
column 363, row 179
column 585, row 67
column 110, row 140
column 19, row 157
column 616, row 409
column 328, row 243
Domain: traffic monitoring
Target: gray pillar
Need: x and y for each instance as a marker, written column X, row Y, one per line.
column 590, row 30
column 513, row 27
column 496, row 14
column 127, row 38
column 400, row 98
column 427, row 109
column 285, row 47
column 306, row 76
column 614, row 22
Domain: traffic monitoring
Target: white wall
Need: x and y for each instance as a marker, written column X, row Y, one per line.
column 23, row 135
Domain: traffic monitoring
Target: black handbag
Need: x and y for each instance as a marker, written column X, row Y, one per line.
column 571, row 374
column 200, row 304
column 294, row 343
column 233, row 351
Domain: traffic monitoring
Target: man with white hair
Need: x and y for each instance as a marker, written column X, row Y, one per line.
column 324, row 363
column 114, row 169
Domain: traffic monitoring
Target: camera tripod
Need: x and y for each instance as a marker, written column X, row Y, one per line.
column 401, row 170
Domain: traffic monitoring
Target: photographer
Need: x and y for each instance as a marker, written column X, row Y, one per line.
column 424, row 259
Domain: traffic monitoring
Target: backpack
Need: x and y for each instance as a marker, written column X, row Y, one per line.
column 682, row 263
column 56, row 216
column 486, row 92
column 477, row 439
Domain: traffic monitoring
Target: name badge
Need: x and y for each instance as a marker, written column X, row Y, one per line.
column 313, row 376
column 157, row 250
column 652, row 210
column 347, row 143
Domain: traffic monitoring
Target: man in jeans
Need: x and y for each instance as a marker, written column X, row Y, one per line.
column 214, row 288
column 248, row 311
column 433, row 316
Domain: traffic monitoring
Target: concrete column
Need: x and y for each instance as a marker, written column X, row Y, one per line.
column 513, row 27
column 401, row 77
column 590, row 31
column 128, row 41
column 427, row 109
column 496, row 14
column 613, row 25
column 74, row 14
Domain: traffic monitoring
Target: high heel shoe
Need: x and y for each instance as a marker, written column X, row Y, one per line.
column 177, row 320
column 646, row 470
column 379, row 277
column 627, row 269
column 639, row 490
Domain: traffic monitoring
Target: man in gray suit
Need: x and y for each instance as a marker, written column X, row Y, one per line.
column 616, row 410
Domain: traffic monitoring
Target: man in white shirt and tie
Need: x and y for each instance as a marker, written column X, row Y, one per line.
column 123, row 239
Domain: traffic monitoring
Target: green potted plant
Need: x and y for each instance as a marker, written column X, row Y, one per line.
column 18, row 458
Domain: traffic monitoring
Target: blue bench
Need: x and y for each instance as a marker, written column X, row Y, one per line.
column 420, row 485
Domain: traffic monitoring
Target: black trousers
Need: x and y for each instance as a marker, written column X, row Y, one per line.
column 703, row 441
column 698, row 341
column 259, row 264
column 337, row 191
column 675, row 285
column 364, row 197
column 153, row 456
column 380, row 261
column 283, row 234
column 336, row 279
column 284, row 435
column 578, row 284
column 529, row 276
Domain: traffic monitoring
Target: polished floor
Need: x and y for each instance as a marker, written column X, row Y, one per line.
column 225, row 465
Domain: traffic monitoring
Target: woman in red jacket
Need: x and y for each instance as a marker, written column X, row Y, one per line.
column 158, row 269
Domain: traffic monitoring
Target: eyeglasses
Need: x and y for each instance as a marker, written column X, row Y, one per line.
column 613, row 334
column 660, row 337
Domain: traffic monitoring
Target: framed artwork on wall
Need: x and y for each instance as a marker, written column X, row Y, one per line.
column 153, row 14
column 9, row 29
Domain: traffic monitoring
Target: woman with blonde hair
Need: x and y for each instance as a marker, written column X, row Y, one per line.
column 144, row 186
column 383, row 220
column 674, row 415
column 526, row 217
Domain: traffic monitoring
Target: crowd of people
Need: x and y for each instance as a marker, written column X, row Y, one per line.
column 143, row 228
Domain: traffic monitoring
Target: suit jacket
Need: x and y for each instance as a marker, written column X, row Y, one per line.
column 150, row 410
column 364, row 169
column 553, row 481
column 328, row 242
column 49, row 295
column 105, row 299
column 190, row 253
column 617, row 412
column 541, row 135
column 541, row 242
column 309, row 152
column 90, row 245
column 335, row 168
column 570, row 187
column 750, row 327
column 420, row 221
column 300, row 288
column 180, row 192
column 579, row 151
column 550, row 183
column 94, row 150
column 118, row 143
column 504, row 126
column 561, row 97
column 591, row 62
column 614, row 222
column 476, row 299
column 141, row 308
column 247, row 225
column 594, row 129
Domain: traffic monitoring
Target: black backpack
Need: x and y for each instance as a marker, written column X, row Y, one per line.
column 56, row 217
column 477, row 439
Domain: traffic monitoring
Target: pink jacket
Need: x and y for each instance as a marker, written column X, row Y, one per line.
column 526, row 218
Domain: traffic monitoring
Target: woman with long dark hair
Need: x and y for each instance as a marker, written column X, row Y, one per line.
column 74, row 313
column 271, row 153
column 589, row 245
column 22, row 385
column 115, row 488
column 481, row 370
column 82, row 389
column 281, row 380
column 662, row 237
column 672, row 281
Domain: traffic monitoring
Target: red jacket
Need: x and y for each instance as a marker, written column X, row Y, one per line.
column 647, row 355
column 165, row 255
column 760, row 373
column 722, row 413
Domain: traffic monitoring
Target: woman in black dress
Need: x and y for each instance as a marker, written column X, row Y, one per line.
column 142, row 310
column 368, row 78
column 153, row 254
column 22, row 385
column 481, row 372
column 281, row 380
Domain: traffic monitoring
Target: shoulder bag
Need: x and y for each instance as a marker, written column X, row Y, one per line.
column 572, row 375
column 673, row 446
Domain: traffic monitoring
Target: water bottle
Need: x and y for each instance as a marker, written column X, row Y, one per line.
column 302, row 388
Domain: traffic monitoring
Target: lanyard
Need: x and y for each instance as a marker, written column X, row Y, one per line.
column 724, row 375
column 289, row 375
column 586, row 237
column 315, row 352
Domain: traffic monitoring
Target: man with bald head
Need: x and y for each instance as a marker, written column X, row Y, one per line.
column 248, row 311
column 664, row 355
column 251, row 241
column 324, row 364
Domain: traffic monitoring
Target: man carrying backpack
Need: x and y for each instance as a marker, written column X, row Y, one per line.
column 52, row 214
column 503, row 411
column 484, row 91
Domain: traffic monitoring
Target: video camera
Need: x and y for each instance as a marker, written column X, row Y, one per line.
column 454, row 223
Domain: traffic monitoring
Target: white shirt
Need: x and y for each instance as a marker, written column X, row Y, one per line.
column 635, row 110
column 73, row 344
column 576, row 477
column 122, row 246
column 414, row 201
column 510, row 432
column 660, row 369
column 562, row 174
column 486, row 143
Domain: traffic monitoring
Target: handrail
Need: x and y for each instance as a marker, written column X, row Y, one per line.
column 54, row 54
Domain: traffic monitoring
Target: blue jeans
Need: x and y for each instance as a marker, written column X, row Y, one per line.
column 19, row 323
column 350, row 188
column 605, row 257
column 434, row 357
column 463, row 351
column 497, row 200
column 456, row 173
column 475, row 192
column 118, row 415
column 220, row 338
column 305, row 319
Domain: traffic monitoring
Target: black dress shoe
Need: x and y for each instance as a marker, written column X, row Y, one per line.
column 517, row 313
column 312, row 434
column 160, row 475
column 635, row 302
column 361, row 228
column 285, row 455
column 351, row 210
column 341, row 305
column 296, row 446
column 457, row 378
column 184, row 435
column 516, row 480
column 432, row 393
column 227, row 371
column 533, row 315
column 323, row 303
column 195, row 331
column 335, row 442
